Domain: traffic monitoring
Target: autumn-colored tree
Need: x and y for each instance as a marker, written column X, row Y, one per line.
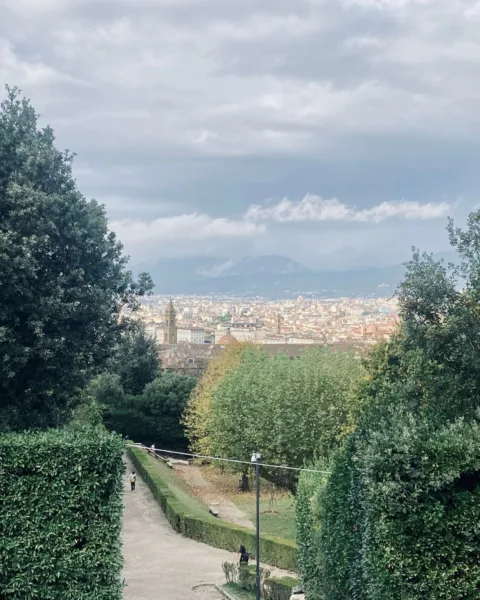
column 197, row 413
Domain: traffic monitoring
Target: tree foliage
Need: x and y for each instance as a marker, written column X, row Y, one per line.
column 135, row 359
column 400, row 509
column 63, row 277
column 107, row 389
column 196, row 417
column 399, row 516
column 164, row 401
column 289, row 410
column 151, row 417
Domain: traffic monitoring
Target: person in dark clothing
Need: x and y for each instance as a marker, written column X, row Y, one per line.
column 244, row 556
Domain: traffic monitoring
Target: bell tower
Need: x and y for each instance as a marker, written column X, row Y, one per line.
column 170, row 331
column 278, row 324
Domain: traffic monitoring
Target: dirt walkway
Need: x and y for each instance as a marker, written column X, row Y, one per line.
column 206, row 492
column 161, row 564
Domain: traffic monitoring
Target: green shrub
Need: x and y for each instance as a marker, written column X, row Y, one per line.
column 247, row 577
column 60, row 515
column 278, row 552
column 401, row 513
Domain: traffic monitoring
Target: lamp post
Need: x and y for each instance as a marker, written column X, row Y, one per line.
column 256, row 461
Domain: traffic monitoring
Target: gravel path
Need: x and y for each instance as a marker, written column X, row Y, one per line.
column 159, row 563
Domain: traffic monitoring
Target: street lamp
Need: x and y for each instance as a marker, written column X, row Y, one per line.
column 256, row 461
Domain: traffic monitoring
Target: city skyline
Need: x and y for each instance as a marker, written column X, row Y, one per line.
column 201, row 320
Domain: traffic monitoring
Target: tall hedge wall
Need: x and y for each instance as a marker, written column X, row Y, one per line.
column 278, row 552
column 401, row 514
column 307, row 530
column 60, row 516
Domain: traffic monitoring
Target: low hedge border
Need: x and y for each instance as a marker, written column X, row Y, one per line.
column 280, row 588
column 274, row 551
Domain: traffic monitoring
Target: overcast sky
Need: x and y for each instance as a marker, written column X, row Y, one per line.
column 336, row 132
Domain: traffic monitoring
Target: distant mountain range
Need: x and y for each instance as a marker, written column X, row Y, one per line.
column 271, row 276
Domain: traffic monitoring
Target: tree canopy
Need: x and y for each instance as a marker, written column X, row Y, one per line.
column 289, row 410
column 197, row 414
column 154, row 416
column 64, row 278
column 135, row 359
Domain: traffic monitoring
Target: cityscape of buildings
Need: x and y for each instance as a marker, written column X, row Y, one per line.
column 191, row 330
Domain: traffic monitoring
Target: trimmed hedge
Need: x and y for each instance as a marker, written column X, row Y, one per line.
column 279, row 588
column 401, row 514
column 60, row 515
column 275, row 551
column 307, row 528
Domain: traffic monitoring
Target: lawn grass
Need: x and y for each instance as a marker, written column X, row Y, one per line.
column 280, row 523
column 235, row 591
column 195, row 507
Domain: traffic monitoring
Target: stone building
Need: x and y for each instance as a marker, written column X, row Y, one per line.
column 191, row 335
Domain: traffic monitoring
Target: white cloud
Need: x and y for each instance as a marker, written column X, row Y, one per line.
column 144, row 236
column 231, row 79
column 387, row 4
column 262, row 26
column 312, row 208
column 410, row 211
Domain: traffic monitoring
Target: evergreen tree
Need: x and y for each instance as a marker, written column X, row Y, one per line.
column 63, row 276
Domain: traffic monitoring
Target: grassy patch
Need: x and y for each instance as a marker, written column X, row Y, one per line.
column 235, row 591
column 280, row 523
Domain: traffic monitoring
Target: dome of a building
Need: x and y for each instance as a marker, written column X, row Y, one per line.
column 228, row 338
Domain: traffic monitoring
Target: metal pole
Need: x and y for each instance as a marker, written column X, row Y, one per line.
column 257, row 471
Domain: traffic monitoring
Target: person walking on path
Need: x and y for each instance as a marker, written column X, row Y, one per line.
column 133, row 479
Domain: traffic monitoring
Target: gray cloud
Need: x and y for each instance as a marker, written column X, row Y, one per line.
column 203, row 108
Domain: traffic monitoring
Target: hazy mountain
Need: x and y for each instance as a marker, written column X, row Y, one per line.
column 273, row 276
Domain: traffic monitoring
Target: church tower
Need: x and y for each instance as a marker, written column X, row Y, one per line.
column 170, row 331
column 278, row 324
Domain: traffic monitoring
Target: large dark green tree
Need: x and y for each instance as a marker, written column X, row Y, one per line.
column 135, row 360
column 63, row 276
column 151, row 417
column 164, row 401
